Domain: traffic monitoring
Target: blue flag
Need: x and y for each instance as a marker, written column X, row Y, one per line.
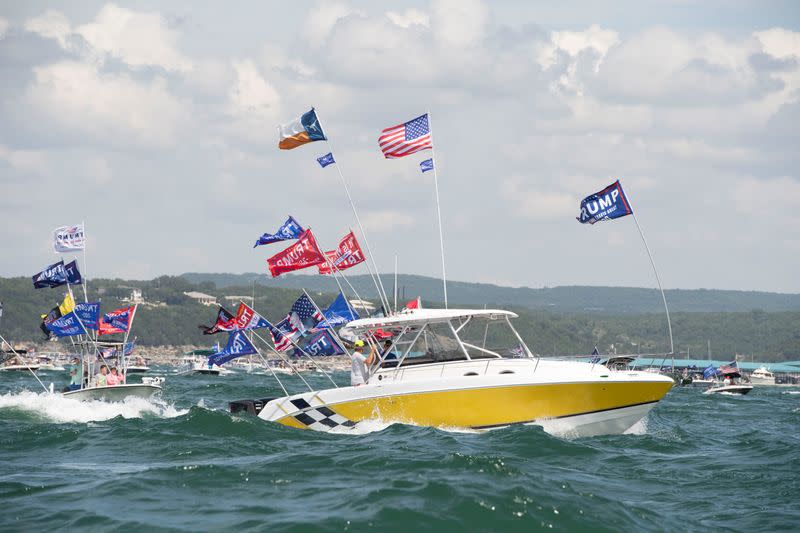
column 88, row 313
column 66, row 326
column 325, row 160
column 338, row 313
column 710, row 372
column 323, row 343
column 609, row 203
column 595, row 355
column 426, row 165
column 73, row 274
column 290, row 230
column 238, row 345
column 53, row 276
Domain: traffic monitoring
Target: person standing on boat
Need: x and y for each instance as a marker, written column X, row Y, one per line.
column 359, row 372
column 101, row 380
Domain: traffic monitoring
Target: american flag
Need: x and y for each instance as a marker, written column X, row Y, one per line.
column 282, row 342
column 406, row 139
column 730, row 368
column 306, row 309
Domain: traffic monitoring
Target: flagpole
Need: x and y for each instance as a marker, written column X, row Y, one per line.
column 658, row 280
column 395, row 283
column 379, row 284
column 438, row 207
column 84, row 281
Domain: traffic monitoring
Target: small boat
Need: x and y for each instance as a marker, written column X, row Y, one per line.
column 137, row 366
column 444, row 376
column 114, row 393
column 731, row 383
column 762, row 376
column 194, row 363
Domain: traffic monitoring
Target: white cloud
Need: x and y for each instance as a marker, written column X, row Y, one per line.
column 409, row 17
column 323, row 17
column 51, row 24
column 251, row 97
column 386, row 220
column 459, row 23
column 771, row 197
column 4, row 25
column 136, row 38
column 110, row 107
column 531, row 200
column 780, row 42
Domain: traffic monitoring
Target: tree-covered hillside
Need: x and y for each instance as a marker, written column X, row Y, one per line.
column 766, row 336
column 561, row 299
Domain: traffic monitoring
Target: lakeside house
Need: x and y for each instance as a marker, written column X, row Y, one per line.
column 202, row 298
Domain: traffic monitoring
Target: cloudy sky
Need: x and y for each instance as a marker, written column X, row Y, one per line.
column 156, row 124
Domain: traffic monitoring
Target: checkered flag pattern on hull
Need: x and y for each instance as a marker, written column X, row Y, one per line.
column 320, row 418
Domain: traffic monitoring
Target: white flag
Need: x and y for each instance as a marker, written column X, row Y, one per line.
column 68, row 239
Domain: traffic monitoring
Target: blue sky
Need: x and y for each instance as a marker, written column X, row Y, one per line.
column 156, row 124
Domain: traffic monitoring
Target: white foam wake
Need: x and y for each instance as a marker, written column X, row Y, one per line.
column 56, row 408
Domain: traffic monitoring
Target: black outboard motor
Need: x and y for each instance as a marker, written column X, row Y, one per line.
column 252, row 407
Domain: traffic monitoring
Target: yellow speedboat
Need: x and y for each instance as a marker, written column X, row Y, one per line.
column 439, row 372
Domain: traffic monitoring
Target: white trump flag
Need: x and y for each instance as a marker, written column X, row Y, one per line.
column 68, row 239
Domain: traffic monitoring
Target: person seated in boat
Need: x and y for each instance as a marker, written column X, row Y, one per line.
column 74, row 380
column 113, row 378
column 101, row 380
column 359, row 372
column 727, row 381
column 388, row 353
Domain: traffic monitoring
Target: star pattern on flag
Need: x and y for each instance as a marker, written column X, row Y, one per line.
column 417, row 128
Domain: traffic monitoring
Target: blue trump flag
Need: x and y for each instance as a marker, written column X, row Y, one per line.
column 290, row 230
column 73, row 274
column 53, row 276
column 325, row 160
column 710, row 372
column 426, row 165
column 66, row 326
column 595, row 355
column 338, row 313
column 321, row 343
column 89, row 313
column 237, row 346
column 609, row 203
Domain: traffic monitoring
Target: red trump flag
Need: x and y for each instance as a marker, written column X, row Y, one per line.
column 302, row 254
column 347, row 255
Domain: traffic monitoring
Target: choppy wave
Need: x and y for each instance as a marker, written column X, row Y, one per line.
column 56, row 408
column 185, row 463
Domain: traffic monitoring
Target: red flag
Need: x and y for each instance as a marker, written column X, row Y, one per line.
column 225, row 322
column 416, row 303
column 302, row 254
column 347, row 255
column 108, row 323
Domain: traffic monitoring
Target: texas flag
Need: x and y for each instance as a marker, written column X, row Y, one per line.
column 302, row 130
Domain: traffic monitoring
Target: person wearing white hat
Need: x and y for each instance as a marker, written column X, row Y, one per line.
column 358, row 372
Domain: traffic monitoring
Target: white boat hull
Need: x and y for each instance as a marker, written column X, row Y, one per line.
column 730, row 389
column 114, row 393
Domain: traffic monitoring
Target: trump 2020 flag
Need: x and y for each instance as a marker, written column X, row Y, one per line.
column 117, row 321
column 302, row 254
column 609, row 203
column 53, row 276
column 247, row 318
column 290, row 230
column 347, row 255
column 300, row 131
column 426, row 165
column 89, row 313
column 73, row 274
column 68, row 239
column 66, row 326
column 406, row 138
column 237, row 346
column 322, row 343
column 325, row 160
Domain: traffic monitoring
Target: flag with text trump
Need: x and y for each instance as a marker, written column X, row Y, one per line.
column 237, row 346
column 302, row 254
column 347, row 255
column 406, row 138
column 607, row 204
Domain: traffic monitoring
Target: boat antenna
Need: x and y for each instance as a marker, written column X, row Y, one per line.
column 438, row 207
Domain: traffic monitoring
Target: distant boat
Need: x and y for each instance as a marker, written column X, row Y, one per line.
column 762, row 376
column 731, row 384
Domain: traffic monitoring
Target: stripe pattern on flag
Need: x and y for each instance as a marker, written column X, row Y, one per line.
column 406, row 139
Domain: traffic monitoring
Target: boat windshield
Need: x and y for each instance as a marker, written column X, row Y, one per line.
column 456, row 340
